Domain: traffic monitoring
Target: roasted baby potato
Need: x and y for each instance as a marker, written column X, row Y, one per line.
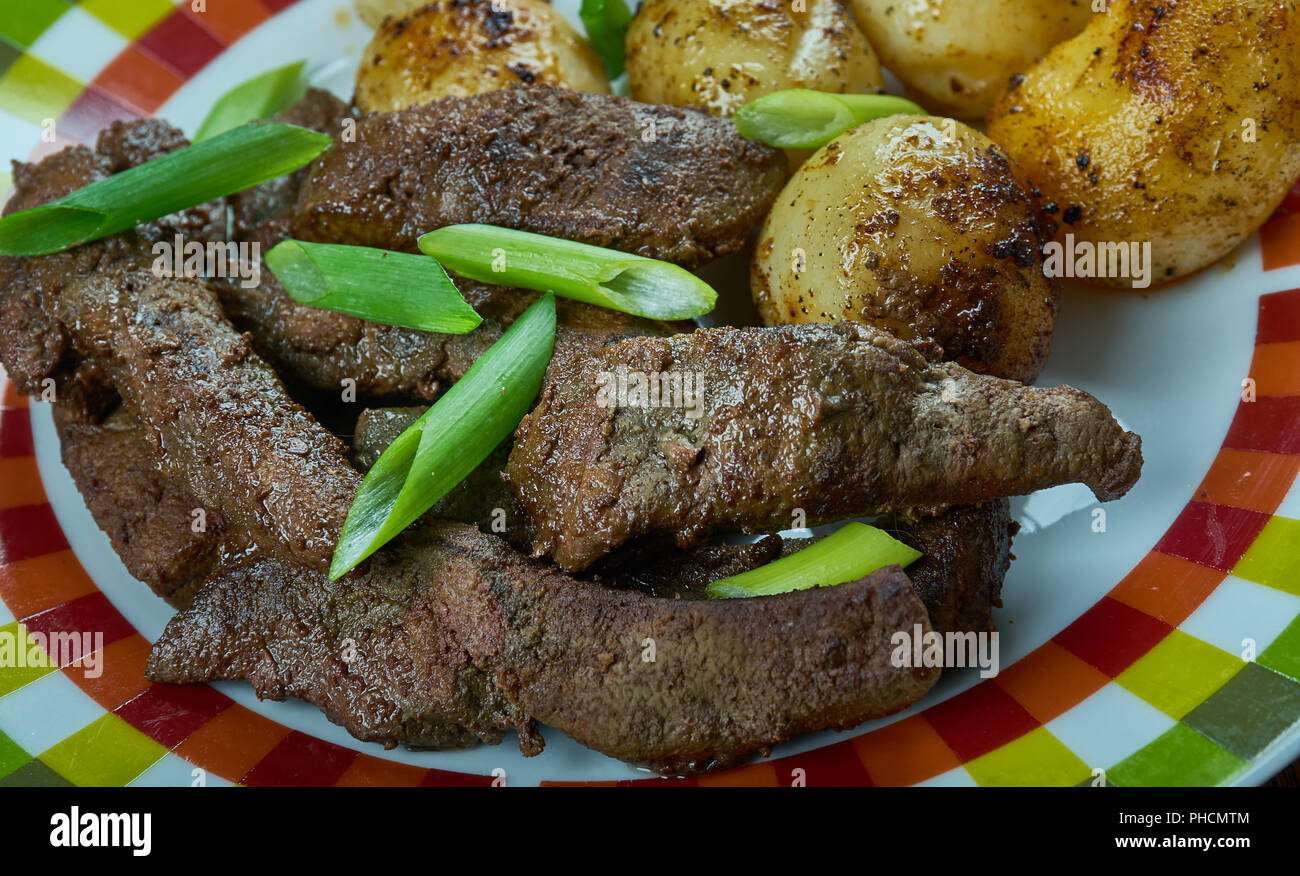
column 956, row 55
column 720, row 54
column 1176, row 124
column 922, row 227
column 455, row 48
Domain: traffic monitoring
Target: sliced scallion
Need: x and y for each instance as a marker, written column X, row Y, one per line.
column 851, row 552
column 393, row 288
column 258, row 98
column 452, row 438
column 802, row 119
column 228, row 163
column 603, row 277
column 606, row 23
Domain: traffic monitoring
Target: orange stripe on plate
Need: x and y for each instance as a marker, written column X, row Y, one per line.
column 232, row 743
column 121, row 667
column 1050, row 681
column 229, row 20
column 1276, row 369
column 905, row 752
column 37, row 583
column 1167, row 588
column 760, row 775
column 139, row 80
column 20, row 482
column 376, row 772
column 12, row 399
column 1251, row 479
column 1280, row 241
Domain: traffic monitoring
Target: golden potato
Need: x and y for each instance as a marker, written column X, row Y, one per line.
column 957, row 55
column 922, row 227
column 720, row 54
column 373, row 12
column 454, row 48
column 1174, row 124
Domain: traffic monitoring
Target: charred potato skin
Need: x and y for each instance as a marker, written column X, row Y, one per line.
column 956, row 56
column 1137, row 128
column 720, row 54
column 456, row 48
column 922, row 227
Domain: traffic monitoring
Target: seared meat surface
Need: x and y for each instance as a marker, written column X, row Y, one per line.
column 227, row 427
column 443, row 625
column 837, row 420
column 33, row 341
column 149, row 517
column 664, row 182
column 322, row 348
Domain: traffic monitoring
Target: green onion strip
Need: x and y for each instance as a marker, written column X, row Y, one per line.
column 452, row 439
column 851, row 552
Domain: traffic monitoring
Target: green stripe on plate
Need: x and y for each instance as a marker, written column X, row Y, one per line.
column 1180, row 758
column 33, row 90
column 34, row 775
column 1036, row 759
column 1284, row 654
column 107, row 753
column 14, row 638
column 1274, row 558
column 24, row 21
column 8, row 54
column 1249, row 712
column 12, row 756
column 1178, row 674
column 130, row 18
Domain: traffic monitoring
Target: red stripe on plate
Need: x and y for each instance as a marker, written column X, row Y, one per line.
column 1279, row 318
column 301, row 761
column 661, row 782
column 979, row 720
column 278, row 5
column 180, row 44
column 835, row 766
column 169, row 714
column 29, row 531
column 16, row 432
column 94, row 111
column 1270, row 423
column 1112, row 636
column 92, row 613
column 1213, row 535
column 443, row 779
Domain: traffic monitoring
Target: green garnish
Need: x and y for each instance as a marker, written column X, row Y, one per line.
column 258, row 98
column 228, row 163
column 394, row 288
column 603, row 277
column 452, row 438
column 606, row 23
column 802, row 119
column 851, row 552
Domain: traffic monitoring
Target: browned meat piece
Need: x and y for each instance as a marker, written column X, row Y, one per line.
column 227, row 427
column 147, row 516
column 728, row 678
column 665, row 182
column 253, row 209
column 372, row 651
column 322, row 348
column 966, row 554
column 33, row 341
column 837, row 420
column 687, row 574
